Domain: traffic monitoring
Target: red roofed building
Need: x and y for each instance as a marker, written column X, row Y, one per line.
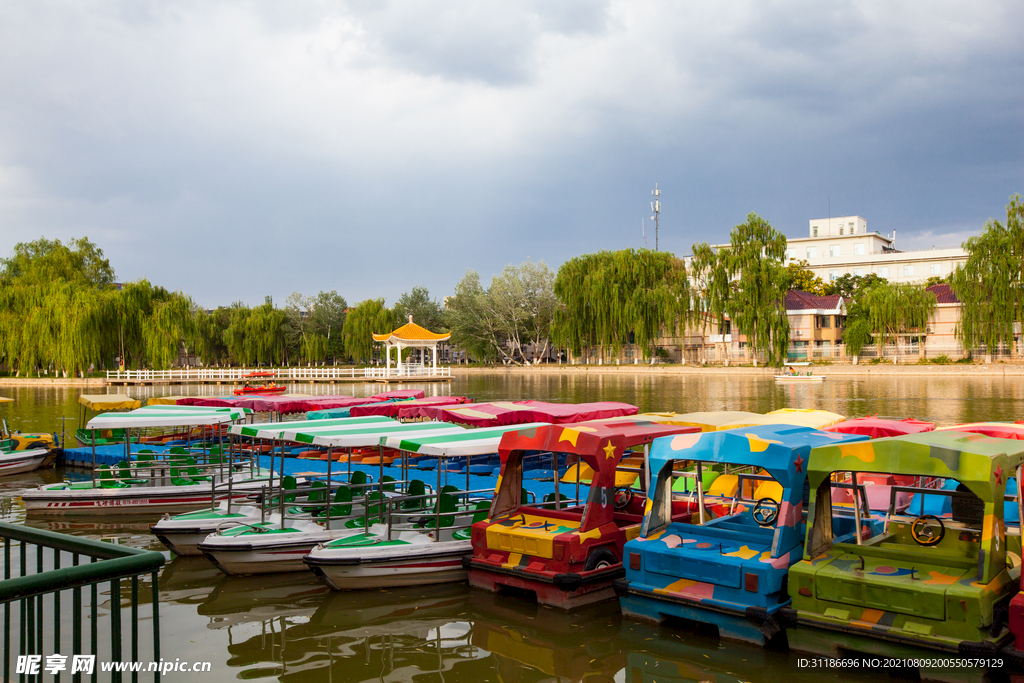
column 815, row 322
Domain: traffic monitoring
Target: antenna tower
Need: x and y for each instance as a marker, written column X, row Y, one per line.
column 656, row 210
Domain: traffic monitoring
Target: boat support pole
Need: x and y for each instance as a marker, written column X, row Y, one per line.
column 554, row 466
column 93, row 439
column 856, row 508
column 700, row 494
column 231, row 464
column 330, row 457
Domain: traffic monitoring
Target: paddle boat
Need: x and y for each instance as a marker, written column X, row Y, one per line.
column 423, row 554
column 14, row 442
column 727, row 567
column 280, row 543
column 261, row 389
column 922, row 582
column 791, row 374
column 93, row 404
column 161, row 482
column 569, row 552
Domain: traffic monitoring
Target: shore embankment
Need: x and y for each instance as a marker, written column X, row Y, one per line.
column 52, row 382
column 838, row 370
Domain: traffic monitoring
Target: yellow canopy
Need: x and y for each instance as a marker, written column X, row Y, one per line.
column 164, row 400
column 815, row 419
column 109, row 402
column 713, row 420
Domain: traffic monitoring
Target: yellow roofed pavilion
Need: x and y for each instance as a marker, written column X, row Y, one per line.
column 411, row 335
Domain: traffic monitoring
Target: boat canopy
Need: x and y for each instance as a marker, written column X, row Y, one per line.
column 277, row 430
column 521, row 412
column 981, row 463
column 999, row 430
column 709, row 421
column 109, row 402
column 368, row 435
column 815, row 419
column 410, row 407
column 601, row 445
column 166, row 416
column 877, row 428
column 166, row 400
column 466, row 443
column 782, row 450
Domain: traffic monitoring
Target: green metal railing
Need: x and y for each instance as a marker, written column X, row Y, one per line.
column 62, row 564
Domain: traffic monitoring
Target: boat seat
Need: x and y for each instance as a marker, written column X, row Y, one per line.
column 769, row 489
column 445, row 504
column 374, row 511
column 724, row 485
column 416, row 488
column 582, row 471
column 685, row 484
column 549, row 500
column 288, row 483
column 342, row 506
column 106, row 479
column 124, row 473
column 483, row 507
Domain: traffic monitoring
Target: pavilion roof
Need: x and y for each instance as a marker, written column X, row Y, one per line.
column 411, row 332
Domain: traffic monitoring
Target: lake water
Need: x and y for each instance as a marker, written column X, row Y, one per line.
column 292, row 628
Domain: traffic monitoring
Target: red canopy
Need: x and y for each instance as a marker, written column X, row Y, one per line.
column 503, row 413
column 328, row 402
column 998, row 430
column 409, row 407
column 877, row 428
column 403, row 393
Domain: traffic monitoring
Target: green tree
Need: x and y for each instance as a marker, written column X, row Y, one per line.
column 608, row 297
column 756, row 255
column 802, row 278
column 362, row 322
column 468, row 314
column 895, row 309
column 990, row 285
column 711, row 292
column 425, row 312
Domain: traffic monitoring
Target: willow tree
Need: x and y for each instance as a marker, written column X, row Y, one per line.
column 368, row 317
column 710, row 293
column 467, row 312
column 990, row 285
column 757, row 308
column 895, row 310
column 612, row 298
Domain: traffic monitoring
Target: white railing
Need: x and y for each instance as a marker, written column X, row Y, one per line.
column 280, row 374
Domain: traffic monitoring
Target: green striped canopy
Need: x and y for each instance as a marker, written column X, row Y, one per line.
column 371, row 435
column 166, row 416
column 276, row 430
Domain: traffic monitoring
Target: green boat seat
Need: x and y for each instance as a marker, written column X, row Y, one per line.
column 549, row 500
column 374, row 511
column 178, row 450
column 416, row 488
column 106, row 480
column 388, row 486
column 445, row 504
column 124, row 473
column 288, row 483
column 193, row 472
column 342, row 504
column 483, row 507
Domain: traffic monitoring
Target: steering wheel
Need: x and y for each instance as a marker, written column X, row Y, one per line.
column 924, row 532
column 623, row 497
column 765, row 512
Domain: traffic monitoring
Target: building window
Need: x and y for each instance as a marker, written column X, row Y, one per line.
column 833, row 275
column 859, row 272
column 908, row 271
column 791, row 254
column 812, row 252
column 936, row 269
column 814, row 231
column 883, row 271
column 840, row 230
column 824, row 321
column 858, row 250
column 833, row 250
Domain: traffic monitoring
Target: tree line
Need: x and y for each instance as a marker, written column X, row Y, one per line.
column 61, row 309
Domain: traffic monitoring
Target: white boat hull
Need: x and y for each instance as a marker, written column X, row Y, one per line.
column 799, row 378
column 18, row 462
column 51, row 499
column 414, row 564
column 182, row 534
column 267, row 553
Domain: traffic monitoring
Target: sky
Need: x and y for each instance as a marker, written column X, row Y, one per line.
column 235, row 150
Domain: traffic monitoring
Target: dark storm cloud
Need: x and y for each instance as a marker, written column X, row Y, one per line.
column 369, row 147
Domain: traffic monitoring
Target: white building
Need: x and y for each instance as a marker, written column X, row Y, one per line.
column 840, row 245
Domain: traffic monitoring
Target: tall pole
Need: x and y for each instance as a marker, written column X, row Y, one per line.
column 656, row 210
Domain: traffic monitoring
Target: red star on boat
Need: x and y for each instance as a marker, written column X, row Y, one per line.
column 999, row 474
column 799, row 462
